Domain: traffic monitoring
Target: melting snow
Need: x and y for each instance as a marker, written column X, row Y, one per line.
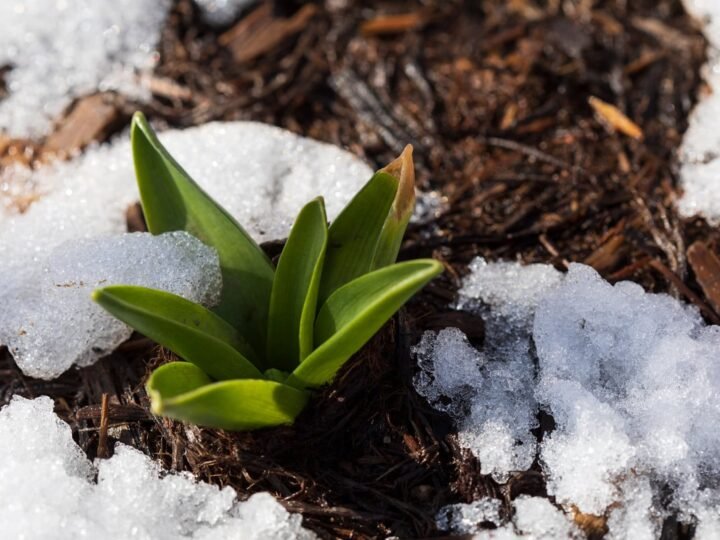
column 469, row 518
column 222, row 12
column 59, row 50
column 631, row 379
column 49, row 490
column 48, row 320
column 492, row 403
column 533, row 518
column 261, row 174
column 700, row 151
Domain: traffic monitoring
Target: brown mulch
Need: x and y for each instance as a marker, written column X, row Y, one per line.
column 549, row 129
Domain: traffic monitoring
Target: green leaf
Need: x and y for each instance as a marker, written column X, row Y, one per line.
column 180, row 392
column 293, row 302
column 276, row 375
column 173, row 201
column 188, row 329
column 353, row 314
column 174, row 379
column 354, row 235
column 402, row 209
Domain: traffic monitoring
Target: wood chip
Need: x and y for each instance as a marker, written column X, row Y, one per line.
column 88, row 121
column 643, row 61
column 5, row 142
column 615, row 119
column 608, row 255
column 608, row 23
column 503, row 37
column 17, row 152
column 167, row 88
column 667, row 35
column 261, row 31
column 593, row 526
column 509, row 116
column 706, row 266
column 135, row 219
column 393, row 24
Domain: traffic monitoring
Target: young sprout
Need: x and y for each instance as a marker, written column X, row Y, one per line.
column 277, row 333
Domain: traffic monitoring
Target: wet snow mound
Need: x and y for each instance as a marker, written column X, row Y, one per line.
column 490, row 402
column 633, row 383
column 700, row 151
column 630, row 378
column 261, row 174
column 59, row 50
column 49, row 321
column 49, row 490
column 533, row 518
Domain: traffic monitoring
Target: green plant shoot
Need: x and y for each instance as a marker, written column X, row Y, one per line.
column 278, row 333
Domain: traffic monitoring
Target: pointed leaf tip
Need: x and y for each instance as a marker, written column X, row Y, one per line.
column 403, row 206
column 354, row 312
column 138, row 120
column 354, row 235
column 173, row 201
column 403, row 168
column 293, row 300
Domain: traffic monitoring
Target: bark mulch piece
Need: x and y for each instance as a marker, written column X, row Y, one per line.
column 549, row 130
column 88, row 121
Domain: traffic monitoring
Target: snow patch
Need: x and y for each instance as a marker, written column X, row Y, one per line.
column 48, row 491
column 492, row 399
column 59, row 50
column 630, row 378
column 222, row 12
column 533, row 518
column 469, row 518
column 49, row 321
column 261, row 174
column 633, row 383
column 700, row 151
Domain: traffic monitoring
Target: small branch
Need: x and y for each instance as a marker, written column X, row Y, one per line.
column 533, row 152
column 102, row 451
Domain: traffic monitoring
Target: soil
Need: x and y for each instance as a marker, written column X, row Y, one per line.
column 494, row 96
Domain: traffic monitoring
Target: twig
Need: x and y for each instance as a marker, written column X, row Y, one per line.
column 102, row 451
column 533, row 152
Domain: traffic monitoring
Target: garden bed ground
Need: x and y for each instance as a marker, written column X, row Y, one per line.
column 494, row 97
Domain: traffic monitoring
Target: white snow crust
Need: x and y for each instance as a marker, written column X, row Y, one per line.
column 59, row 50
column 49, row 321
column 700, row 151
column 533, row 518
column 630, row 378
column 51, row 491
column 222, row 12
column 261, row 174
